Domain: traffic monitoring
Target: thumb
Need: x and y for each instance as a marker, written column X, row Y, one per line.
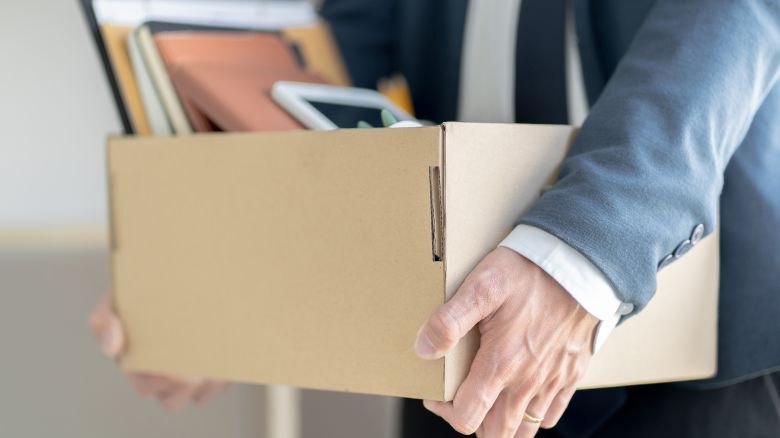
column 107, row 328
column 455, row 318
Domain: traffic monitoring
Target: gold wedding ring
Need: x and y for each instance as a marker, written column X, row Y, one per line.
column 530, row 419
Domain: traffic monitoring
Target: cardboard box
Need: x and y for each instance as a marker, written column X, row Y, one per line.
column 311, row 258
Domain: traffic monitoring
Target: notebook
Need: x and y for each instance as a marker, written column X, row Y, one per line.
column 250, row 49
column 237, row 98
column 153, row 106
column 162, row 82
column 313, row 45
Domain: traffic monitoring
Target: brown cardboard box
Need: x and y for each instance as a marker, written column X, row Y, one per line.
column 311, row 258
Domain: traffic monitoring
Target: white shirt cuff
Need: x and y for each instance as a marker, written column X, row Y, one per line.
column 575, row 273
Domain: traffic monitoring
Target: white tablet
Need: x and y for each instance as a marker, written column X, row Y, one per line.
column 327, row 107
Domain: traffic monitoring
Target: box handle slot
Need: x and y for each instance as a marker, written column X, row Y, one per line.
column 437, row 220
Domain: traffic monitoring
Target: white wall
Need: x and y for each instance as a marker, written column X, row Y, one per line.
column 55, row 112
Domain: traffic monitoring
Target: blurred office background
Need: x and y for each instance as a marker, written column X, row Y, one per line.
column 55, row 113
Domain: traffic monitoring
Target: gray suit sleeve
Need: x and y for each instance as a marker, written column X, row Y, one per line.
column 648, row 164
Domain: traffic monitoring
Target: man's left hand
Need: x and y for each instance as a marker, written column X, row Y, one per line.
column 535, row 346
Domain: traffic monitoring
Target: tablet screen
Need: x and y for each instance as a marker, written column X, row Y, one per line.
column 348, row 116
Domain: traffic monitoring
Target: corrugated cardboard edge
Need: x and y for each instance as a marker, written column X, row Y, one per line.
column 443, row 242
column 458, row 361
column 113, row 245
column 437, row 230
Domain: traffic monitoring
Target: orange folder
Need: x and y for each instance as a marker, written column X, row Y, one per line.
column 115, row 38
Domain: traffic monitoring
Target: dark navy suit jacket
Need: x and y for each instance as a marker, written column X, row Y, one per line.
column 684, row 129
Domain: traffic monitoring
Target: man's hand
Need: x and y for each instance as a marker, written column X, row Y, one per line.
column 172, row 392
column 535, row 346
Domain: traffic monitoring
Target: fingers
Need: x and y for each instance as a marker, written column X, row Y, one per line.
column 558, row 407
column 445, row 410
column 107, row 328
column 178, row 396
column 538, row 409
column 506, row 415
column 150, row 386
column 532, row 344
column 487, row 377
column 174, row 393
column 208, row 391
column 479, row 296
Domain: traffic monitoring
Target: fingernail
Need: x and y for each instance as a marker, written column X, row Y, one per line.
column 109, row 343
column 424, row 347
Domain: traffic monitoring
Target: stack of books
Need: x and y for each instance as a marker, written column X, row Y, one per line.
column 178, row 74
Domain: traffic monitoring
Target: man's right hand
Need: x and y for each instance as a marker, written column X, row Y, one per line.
column 173, row 393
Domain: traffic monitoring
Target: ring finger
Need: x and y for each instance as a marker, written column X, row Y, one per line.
column 535, row 412
column 207, row 390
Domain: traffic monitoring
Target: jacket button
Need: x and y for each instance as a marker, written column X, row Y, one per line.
column 697, row 234
column 683, row 249
column 665, row 262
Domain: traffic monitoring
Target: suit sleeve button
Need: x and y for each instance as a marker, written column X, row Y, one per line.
column 697, row 234
column 682, row 249
column 665, row 262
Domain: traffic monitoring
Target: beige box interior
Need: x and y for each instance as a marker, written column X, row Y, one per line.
column 311, row 258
